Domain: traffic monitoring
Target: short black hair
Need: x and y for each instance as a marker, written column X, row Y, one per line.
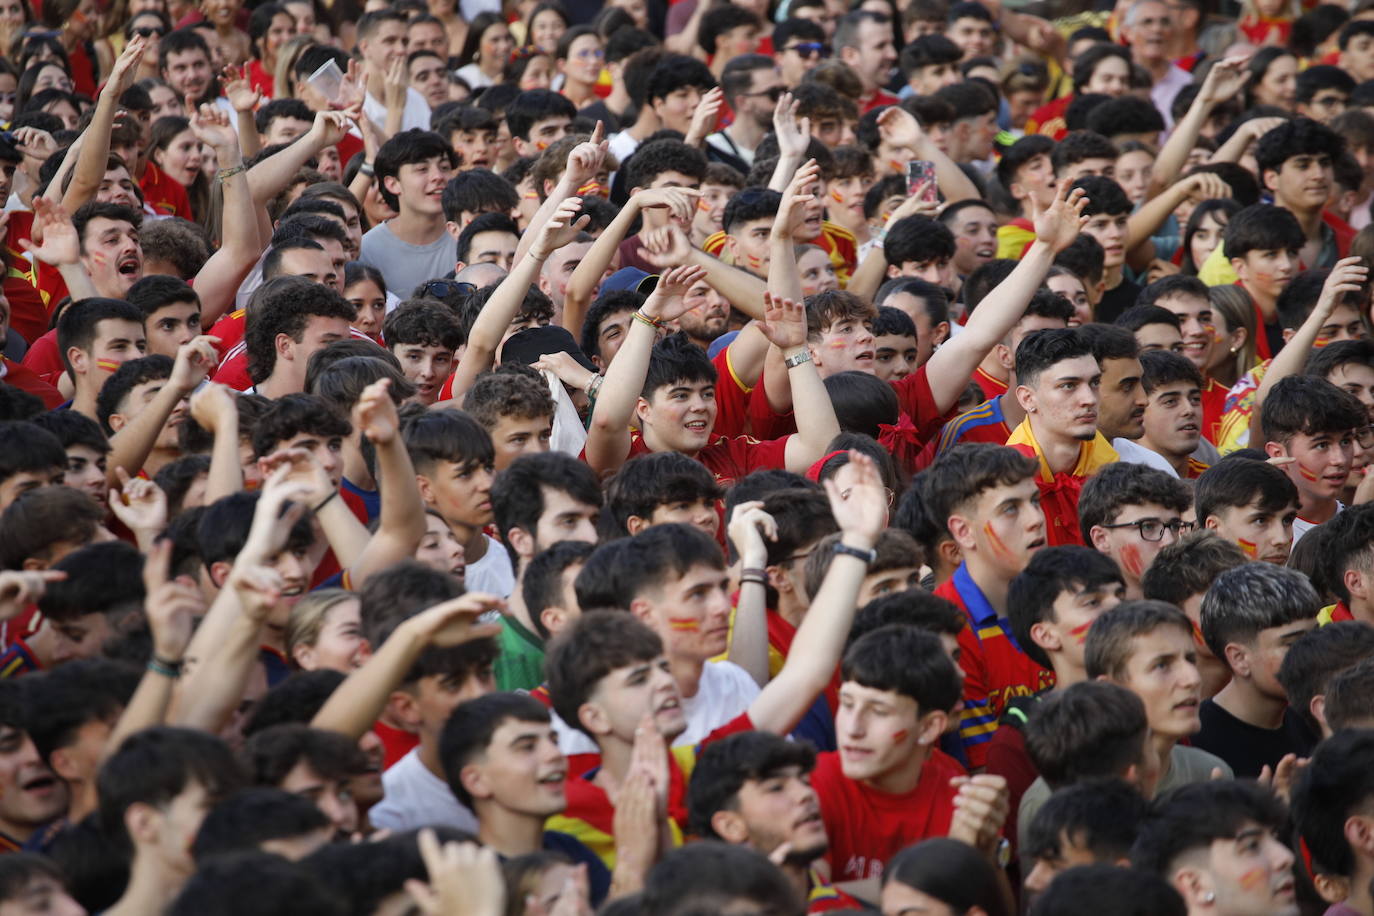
column 644, row 562
column 293, row 414
column 125, row 379
column 1161, row 367
column 1307, row 405
column 409, row 147
column 541, row 586
column 674, row 72
column 423, row 322
column 918, row 239
column 478, row 191
column 254, row 816
column 1086, row 62
column 1192, row 816
column 646, row 482
column 1051, row 572
column 1087, row 890
column 710, row 876
column 446, row 435
column 748, row 205
column 658, row 156
column 1129, row 114
column 77, row 325
column 517, row 494
column 1079, row 145
column 906, row 661
column 470, row 727
column 1337, row 782
column 1236, row 482
column 1297, row 137
column 1139, row 316
column 1104, row 196
column 28, row 449
column 1019, row 153
column 535, row 105
column 1089, row 730
column 1262, row 227
column 1248, row 599
column 675, row 360
column 1323, row 76
column 285, row 305
column 1099, row 815
column 725, row 766
column 1039, row 350
column 1125, row 483
column 961, row 474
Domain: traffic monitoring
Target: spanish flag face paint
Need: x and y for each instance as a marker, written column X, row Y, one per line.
column 1250, row 547
column 108, row 365
column 1309, row 476
column 683, row 624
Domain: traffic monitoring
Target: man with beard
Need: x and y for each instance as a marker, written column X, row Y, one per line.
column 752, row 84
column 755, row 789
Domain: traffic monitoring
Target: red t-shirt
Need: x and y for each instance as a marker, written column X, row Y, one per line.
column 27, row 380
column 732, row 398
column 867, row 827
column 1213, row 409
column 229, row 330
column 880, row 98
column 992, row 387
column 916, row 400
column 729, row 458
column 163, row 194
column 44, row 359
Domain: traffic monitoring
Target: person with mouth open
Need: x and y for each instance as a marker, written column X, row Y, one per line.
column 1173, row 411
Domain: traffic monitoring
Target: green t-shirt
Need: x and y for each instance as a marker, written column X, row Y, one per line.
column 520, row 666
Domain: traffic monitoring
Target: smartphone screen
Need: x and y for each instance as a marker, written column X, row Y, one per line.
column 918, row 172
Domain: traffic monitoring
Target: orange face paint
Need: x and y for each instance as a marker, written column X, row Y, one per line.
column 1251, row 549
column 591, row 187
column 1253, row 878
column 683, row 624
column 1080, row 632
column 898, row 167
column 1307, row 475
column 999, row 548
column 1130, row 560
column 703, row 205
column 754, row 260
column 836, row 196
column 1197, row 633
column 900, row 735
column 530, row 195
column 1321, row 342
column 108, row 365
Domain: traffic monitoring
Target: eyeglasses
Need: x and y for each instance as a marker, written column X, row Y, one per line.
column 844, row 495
column 1365, row 436
column 810, row 49
column 148, row 31
column 1152, row 529
column 442, row 289
column 590, row 53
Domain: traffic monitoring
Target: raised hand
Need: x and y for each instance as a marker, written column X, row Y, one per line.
column 300, row 467
column 1206, row 186
column 649, row 754
column 19, row 589
column 238, row 90
column 569, row 371
column 35, row 142
column 1347, row 276
column 211, row 126
column 704, row 118
column 793, row 133
column 455, row 622
column 681, row 202
column 171, row 605
column 125, row 67
column 783, row 322
column 899, row 127
column 667, row 301
column 139, row 503
column 861, row 512
column 1282, row 777
column 330, row 127
column 585, row 160
column 464, row 879
column 395, row 81
column 792, row 210
column 560, row 229
column 281, row 503
column 375, row 413
column 665, row 247
column 749, row 527
column 61, row 245
column 1059, row 225
column 195, row 360
column 980, row 810
column 213, row 405
column 258, row 589
column 1226, row 78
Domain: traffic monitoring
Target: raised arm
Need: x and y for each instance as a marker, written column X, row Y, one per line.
column 1348, row 276
column 131, row 445
column 1143, row 223
column 900, row 129
column 608, row 435
column 953, row 363
column 215, row 407
column 61, row 246
column 244, row 99
column 219, row 279
column 584, row 161
column 820, row 639
column 749, row 526
column 784, row 324
column 1226, row 78
column 500, row 310
column 358, row 702
column 95, row 146
column 403, row 512
column 794, row 136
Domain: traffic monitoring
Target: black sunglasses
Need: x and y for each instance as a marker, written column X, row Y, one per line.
column 148, row 31
column 442, row 289
column 810, row 49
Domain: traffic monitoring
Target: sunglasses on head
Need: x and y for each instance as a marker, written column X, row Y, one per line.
column 442, row 289
column 811, row 49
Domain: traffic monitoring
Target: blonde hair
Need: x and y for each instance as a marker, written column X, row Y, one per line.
column 307, row 617
column 1233, row 305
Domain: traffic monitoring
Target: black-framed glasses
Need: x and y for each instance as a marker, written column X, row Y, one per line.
column 1152, row 529
column 1365, row 437
column 810, row 48
column 442, row 289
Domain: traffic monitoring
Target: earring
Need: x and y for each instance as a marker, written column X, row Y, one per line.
column 1235, row 350
column 1209, row 897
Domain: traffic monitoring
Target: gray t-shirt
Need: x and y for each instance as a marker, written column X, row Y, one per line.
column 405, row 266
column 1187, row 765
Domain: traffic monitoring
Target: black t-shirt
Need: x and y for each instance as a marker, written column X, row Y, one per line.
column 1248, row 748
column 1115, row 301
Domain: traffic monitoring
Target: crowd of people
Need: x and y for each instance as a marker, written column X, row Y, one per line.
column 689, row 457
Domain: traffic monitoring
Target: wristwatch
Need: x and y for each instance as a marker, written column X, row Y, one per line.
column 793, row 362
column 868, row 556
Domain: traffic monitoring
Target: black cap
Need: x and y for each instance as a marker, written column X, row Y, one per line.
column 527, row 345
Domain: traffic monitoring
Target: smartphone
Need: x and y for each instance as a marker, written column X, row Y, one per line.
column 918, row 172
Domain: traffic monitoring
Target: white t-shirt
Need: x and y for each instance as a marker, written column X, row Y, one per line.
column 1301, row 525
column 724, row 691
column 492, row 574
column 414, row 797
column 416, row 112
